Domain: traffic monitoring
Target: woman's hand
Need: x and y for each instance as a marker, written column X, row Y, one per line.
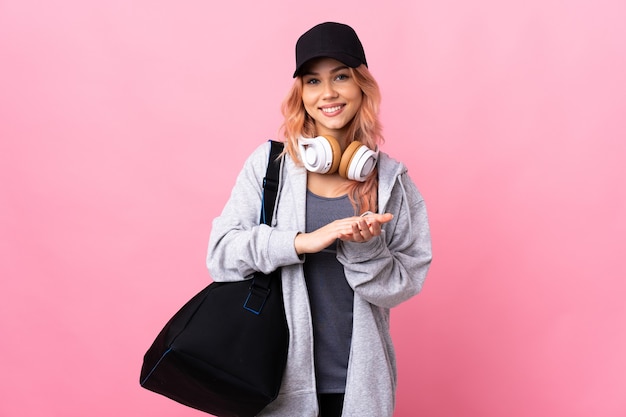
column 351, row 229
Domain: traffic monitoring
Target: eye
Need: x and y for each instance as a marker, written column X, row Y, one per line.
column 311, row 81
column 342, row 77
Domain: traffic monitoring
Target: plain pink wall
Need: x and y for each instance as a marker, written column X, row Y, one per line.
column 124, row 123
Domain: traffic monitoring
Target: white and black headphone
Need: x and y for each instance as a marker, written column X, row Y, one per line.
column 323, row 155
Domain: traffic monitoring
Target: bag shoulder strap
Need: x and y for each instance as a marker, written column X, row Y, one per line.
column 271, row 183
column 259, row 289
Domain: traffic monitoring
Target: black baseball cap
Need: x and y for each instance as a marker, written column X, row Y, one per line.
column 332, row 40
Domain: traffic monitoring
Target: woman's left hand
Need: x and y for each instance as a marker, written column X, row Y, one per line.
column 364, row 228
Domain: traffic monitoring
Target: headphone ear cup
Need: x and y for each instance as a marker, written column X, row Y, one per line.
column 336, row 150
column 320, row 154
column 357, row 162
column 347, row 157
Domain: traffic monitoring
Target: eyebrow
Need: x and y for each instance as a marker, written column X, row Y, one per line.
column 332, row 71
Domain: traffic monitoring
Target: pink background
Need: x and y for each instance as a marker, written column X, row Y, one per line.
column 123, row 125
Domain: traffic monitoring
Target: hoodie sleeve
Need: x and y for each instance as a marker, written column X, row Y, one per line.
column 391, row 268
column 238, row 244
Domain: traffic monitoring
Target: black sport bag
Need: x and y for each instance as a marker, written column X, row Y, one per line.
column 225, row 350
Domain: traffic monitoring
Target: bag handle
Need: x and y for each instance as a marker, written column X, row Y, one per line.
column 260, row 286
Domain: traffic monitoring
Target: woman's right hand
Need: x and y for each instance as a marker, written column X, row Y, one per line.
column 351, row 229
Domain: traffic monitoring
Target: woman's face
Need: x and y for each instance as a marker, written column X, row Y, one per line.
column 331, row 97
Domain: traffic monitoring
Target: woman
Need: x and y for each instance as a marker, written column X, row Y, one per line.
column 350, row 233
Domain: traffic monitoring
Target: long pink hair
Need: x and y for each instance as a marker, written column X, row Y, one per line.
column 364, row 127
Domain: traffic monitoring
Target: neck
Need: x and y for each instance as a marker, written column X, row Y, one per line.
column 327, row 185
column 341, row 136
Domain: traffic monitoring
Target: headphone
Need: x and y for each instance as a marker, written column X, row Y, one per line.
column 323, row 155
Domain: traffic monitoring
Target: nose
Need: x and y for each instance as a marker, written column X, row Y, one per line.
column 329, row 90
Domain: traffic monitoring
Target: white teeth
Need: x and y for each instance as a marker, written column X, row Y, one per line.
column 331, row 109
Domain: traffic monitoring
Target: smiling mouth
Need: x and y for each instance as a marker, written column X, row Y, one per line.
column 332, row 109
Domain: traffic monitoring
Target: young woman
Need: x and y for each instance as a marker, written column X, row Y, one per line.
column 350, row 233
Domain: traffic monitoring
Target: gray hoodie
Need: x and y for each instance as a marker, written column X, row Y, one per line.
column 383, row 272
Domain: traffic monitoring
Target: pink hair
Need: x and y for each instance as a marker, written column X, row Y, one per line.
column 364, row 127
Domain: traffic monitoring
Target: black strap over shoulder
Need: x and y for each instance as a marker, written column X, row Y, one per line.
column 260, row 286
column 271, row 182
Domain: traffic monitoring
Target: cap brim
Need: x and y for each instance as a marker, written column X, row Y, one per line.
column 346, row 59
